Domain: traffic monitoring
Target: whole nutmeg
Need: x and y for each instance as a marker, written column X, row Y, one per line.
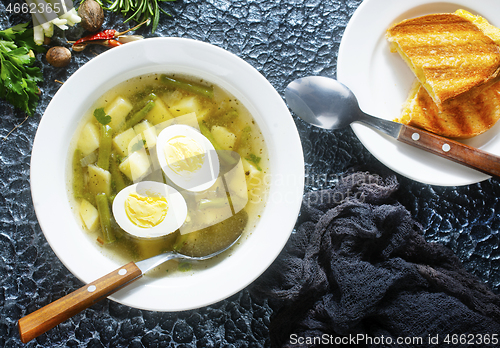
column 91, row 14
column 58, row 56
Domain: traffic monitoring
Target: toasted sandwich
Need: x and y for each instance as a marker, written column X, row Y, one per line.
column 464, row 116
column 449, row 53
column 482, row 24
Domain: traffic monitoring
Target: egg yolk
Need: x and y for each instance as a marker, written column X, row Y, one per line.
column 145, row 211
column 184, row 155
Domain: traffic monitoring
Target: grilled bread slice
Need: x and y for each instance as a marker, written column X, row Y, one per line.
column 464, row 116
column 482, row 24
column 447, row 52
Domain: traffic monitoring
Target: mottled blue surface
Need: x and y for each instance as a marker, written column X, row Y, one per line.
column 284, row 40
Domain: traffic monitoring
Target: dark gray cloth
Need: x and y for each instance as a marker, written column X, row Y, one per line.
column 359, row 267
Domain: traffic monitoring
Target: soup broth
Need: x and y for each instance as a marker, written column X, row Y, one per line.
column 116, row 146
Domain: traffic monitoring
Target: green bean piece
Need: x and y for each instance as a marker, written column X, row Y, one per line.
column 117, row 230
column 79, row 189
column 116, row 174
column 139, row 115
column 150, row 96
column 204, row 91
column 208, row 134
column 143, row 101
column 105, row 218
column 105, row 147
column 78, row 176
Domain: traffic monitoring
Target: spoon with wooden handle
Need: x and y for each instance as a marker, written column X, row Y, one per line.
column 327, row 103
column 45, row 318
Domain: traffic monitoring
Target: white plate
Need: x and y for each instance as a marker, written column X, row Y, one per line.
column 381, row 82
column 50, row 155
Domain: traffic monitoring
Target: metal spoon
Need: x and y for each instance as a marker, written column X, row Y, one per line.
column 326, row 103
column 45, row 318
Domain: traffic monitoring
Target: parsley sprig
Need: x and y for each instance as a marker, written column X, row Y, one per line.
column 101, row 116
column 18, row 74
column 255, row 160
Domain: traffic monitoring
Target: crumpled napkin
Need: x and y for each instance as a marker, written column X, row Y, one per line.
column 359, row 271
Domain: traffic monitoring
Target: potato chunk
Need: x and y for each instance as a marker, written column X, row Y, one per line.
column 136, row 165
column 122, row 141
column 188, row 105
column 254, row 179
column 148, row 133
column 118, row 110
column 224, row 137
column 88, row 141
column 89, row 215
column 99, row 180
column 159, row 113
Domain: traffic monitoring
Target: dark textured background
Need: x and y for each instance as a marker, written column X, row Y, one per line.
column 284, row 40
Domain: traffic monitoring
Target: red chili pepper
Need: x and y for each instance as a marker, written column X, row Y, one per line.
column 107, row 34
column 103, row 35
column 108, row 43
column 112, row 43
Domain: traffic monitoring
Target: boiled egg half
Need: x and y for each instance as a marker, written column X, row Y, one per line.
column 187, row 158
column 149, row 209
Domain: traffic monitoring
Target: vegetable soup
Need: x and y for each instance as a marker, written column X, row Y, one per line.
column 190, row 140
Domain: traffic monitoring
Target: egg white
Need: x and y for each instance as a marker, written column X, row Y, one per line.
column 176, row 213
column 202, row 179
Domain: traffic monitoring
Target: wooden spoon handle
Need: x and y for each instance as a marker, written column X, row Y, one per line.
column 45, row 318
column 450, row 149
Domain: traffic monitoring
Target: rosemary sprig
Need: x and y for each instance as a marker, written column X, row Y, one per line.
column 141, row 10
